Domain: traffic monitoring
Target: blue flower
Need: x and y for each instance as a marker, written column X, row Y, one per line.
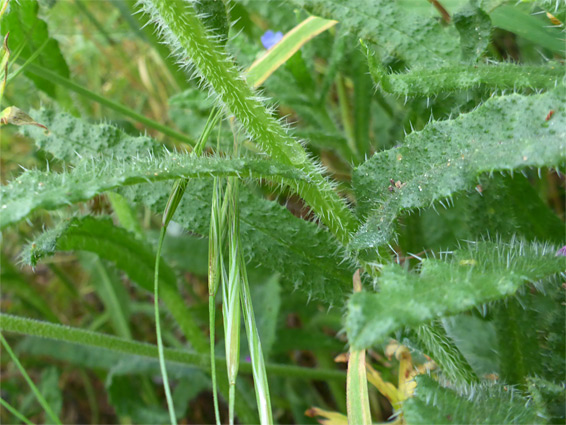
column 270, row 38
column 561, row 251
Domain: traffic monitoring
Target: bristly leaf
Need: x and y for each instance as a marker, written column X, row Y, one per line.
column 69, row 138
column 417, row 40
column 128, row 253
column 27, row 29
column 471, row 276
column 477, row 404
column 33, row 190
column 307, row 257
column 452, row 78
column 505, row 134
column 196, row 47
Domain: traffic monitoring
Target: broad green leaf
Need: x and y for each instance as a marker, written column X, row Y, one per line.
column 471, row 276
column 413, row 38
column 123, row 384
column 27, row 29
column 129, row 254
column 33, row 190
column 506, row 206
column 505, row 134
column 307, row 256
column 478, row 404
column 263, row 67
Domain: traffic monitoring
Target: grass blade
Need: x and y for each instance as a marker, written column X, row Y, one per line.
column 34, row 389
column 14, row 412
column 170, row 406
column 357, row 386
column 258, row 364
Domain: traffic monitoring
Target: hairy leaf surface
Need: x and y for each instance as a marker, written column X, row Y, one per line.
column 471, row 276
column 505, row 134
column 33, row 190
column 418, row 40
column 478, row 404
column 308, row 257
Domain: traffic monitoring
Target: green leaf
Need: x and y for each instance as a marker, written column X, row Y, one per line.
column 478, row 404
column 471, row 276
column 505, row 134
column 112, row 293
column 531, row 339
column 123, row 384
column 414, row 38
column 33, row 190
column 128, row 254
column 262, row 68
column 69, row 138
column 442, row 349
column 531, row 28
column 474, row 26
column 28, row 30
column 427, row 82
column 195, row 46
column 308, row 257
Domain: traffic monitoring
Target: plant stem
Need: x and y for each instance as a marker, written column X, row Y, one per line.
column 14, row 412
column 172, row 416
column 69, row 334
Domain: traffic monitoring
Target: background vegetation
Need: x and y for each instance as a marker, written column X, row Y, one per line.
column 420, row 142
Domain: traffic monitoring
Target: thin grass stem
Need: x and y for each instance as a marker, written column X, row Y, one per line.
column 14, row 412
column 170, row 407
column 52, row 416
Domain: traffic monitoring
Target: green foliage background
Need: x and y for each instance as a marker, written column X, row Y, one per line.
column 425, row 147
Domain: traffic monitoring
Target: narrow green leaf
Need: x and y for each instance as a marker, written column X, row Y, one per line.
column 27, row 29
column 505, row 134
column 112, row 293
column 477, row 404
column 263, row 67
column 442, row 349
column 40, row 398
column 531, row 28
column 357, row 399
column 471, row 276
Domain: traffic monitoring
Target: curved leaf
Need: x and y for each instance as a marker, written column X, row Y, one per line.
column 505, row 134
column 471, row 276
column 37, row 189
column 128, row 253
